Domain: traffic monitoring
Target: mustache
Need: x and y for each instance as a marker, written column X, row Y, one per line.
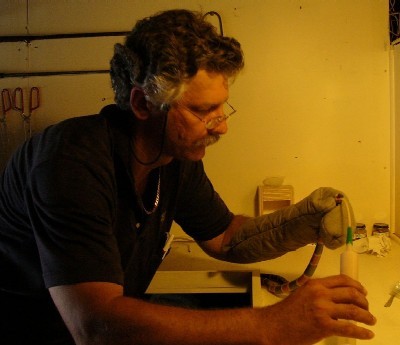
column 208, row 140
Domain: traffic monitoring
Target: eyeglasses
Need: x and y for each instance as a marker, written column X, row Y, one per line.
column 215, row 121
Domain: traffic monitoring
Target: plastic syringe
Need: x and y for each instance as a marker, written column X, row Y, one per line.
column 349, row 258
column 349, row 266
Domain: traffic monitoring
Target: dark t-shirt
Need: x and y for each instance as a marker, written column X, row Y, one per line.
column 69, row 214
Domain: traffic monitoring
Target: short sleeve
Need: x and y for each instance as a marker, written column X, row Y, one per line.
column 200, row 211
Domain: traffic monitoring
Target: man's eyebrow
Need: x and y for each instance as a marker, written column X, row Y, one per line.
column 207, row 105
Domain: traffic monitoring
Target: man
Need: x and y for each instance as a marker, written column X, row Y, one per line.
column 85, row 208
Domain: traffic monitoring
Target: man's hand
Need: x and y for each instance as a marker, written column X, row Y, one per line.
column 319, row 309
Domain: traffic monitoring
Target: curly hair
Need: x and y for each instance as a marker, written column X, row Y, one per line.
column 164, row 51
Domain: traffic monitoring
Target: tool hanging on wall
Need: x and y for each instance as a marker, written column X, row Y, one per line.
column 34, row 103
column 19, row 105
column 5, row 108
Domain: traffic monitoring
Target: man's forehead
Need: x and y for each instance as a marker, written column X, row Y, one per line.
column 206, row 88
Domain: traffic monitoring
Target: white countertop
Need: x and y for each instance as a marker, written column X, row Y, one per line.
column 377, row 274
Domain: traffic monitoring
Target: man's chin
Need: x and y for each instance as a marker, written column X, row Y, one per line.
column 196, row 154
column 199, row 149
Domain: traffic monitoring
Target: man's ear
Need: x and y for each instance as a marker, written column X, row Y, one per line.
column 139, row 104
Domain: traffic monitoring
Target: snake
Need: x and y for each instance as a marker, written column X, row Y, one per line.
column 281, row 287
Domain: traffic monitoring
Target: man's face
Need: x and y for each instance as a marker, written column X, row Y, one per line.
column 203, row 99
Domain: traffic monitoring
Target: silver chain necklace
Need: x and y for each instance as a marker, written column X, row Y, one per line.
column 157, row 199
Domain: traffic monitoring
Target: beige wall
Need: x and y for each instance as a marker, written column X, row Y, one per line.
column 313, row 101
column 395, row 134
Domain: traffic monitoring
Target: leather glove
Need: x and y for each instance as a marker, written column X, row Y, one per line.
column 323, row 215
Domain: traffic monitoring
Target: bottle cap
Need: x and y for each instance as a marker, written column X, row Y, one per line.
column 349, row 239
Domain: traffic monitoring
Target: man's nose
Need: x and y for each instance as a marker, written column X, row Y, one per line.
column 221, row 128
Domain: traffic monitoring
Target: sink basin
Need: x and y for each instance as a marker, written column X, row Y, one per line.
column 234, row 283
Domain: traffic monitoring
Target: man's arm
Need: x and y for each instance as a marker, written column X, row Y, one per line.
column 215, row 247
column 98, row 313
column 319, row 216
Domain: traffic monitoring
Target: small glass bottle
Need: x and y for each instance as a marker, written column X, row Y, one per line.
column 380, row 229
column 360, row 231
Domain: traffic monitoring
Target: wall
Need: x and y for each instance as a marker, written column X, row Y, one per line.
column 313, row 104
column 395, row 130
column 313, row 101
